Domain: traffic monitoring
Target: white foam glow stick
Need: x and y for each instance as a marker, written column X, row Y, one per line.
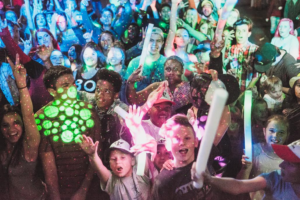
column 145, row 46
column 141, row 157
column 228, row 7
column 214, row 115
column 247, row 124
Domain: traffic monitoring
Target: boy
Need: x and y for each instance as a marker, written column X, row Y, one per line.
column 284, row 184
column 66, row 166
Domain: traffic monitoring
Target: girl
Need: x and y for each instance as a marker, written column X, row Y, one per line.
column 92, row 60
column 265, row 160
column 74, row 56
column 273, row 94
column 106, row 39
column 285, row 39
column 40, row 21
column 20, row 143
column 116, row 60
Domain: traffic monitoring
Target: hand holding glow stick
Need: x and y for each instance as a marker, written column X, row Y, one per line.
column 138, row 138
column 145, row 47
column 247, row 124
column 214, row 115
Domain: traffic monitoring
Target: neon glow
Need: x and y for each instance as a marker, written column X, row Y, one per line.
column 247, row 124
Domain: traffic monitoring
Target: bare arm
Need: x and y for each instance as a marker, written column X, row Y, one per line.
column 170, row 39
column 28, row 15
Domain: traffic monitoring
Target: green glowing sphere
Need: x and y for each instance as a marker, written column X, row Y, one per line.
column 85, row 114
column 77, row 106
column 64, row 96
column 51, row 111
column 47, row 124
column 83, row 128
column 81, row 104
column 73, row 125
column 61, row 108
column 42, row 116
column 67, row 136
column 80, row 122
column 62, row 117
column 35, row 115
column 60, row 90
column 56, row 124
column 56, row 102
column 72, row 92
column 64, row 127
column 37, row 121
column 39, row 127
column 77, row 139
column 55, row 138
column 76, row 112
column 90, row 123
column 69, row 111
column 68, row 122
column 90, row 106
column 54, row 130
column 75, row 119
column 69, row 101
column 47, row 132
column 76, row 131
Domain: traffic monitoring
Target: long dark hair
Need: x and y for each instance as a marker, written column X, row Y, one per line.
column 94, row 46
column 54, row 41
column 16, row 154
column 36, row 18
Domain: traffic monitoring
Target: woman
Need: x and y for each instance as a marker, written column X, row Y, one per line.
column 45, row 37
column 40, row 21
column 20, row 140
column 284, row 37
column 131, row 36
column 74, row 56
column 116, row 60
column 106, row 39
column 92, row 60
column 180, row 90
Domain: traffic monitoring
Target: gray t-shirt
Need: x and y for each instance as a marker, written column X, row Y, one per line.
column 127, row 188
column 277, row 189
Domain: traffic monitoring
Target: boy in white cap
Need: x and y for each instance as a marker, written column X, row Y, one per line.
column 280, row 184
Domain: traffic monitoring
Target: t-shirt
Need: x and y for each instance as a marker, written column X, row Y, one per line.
column 151, row 129
column 153, row 71
column 178, row 185
column 290, row 44
column 127, row 188
column 274, row 105
column 87, row 85
column 277, row 189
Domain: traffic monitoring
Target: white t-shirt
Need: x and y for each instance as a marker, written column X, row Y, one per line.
column 151, row 129
column 274, row 104
column 127, row 188
column 290, row 44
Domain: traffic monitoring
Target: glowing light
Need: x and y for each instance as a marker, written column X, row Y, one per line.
column 76, row 131
column 77, row 106
column 54, row 131
column 42, row 116
column 81, row 104
column 60, row 90
column 56, row 124
column 51, row 111
column 69, row 111
column 77, row 139
column 247, row 124
column 37, row 121
column 75, row 119
column 67, row 136
column 90, row 106
column 64, row 96
column 110, row 68
column 90, row 123
column 68, row 122
column 72, row 92
column 47, row 132
column 73, row 125
column 61, row 108
column 69, row 101
column 47, row 124
column 56, row 102
column 85, row 114
column 83, row 128
column 39, row 127
column 64, row 127
column 80, row 122
column 55, row 138
column 76, row 112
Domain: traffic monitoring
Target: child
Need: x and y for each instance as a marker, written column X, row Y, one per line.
column 122, row 182
column 264, row 158
column 273, row 94
column 162, row 155
column 283, row 184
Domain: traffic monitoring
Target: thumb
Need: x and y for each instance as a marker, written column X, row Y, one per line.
column 96, row 146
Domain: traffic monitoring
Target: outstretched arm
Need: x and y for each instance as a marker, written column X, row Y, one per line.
column 32, row 137
column 169, row 47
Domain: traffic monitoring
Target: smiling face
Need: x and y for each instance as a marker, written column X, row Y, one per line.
column 207, row 9
column 90, row 57
column 44, row 38
column 190, row 16
column 105, row 94
column 284, row 29
column 242, row 34
column 114, row 56
column 40, row 21
column 121, row 163
column 72, row 54
column 160, row 113
column 290, row 172
column 155, row 44
column 173, row 72
column 204, row 28
column 106, row 18
column 57, row 58
column 182, row 38
column 276, row 132
column 183, row 145
column 106, row 41
column 11, row 127
column 165, row 14
column 61, row 23
column 162, row 156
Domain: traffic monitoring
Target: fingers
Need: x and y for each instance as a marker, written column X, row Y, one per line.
column 13, row 67
column 22, row 40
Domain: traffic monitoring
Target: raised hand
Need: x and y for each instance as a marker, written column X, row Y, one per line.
column 19, row 72
column 134, row 118
column 156, row 94
column 183, row 5
column 3, row 24
column 88, row 146
column 27, row 44
column 168, row 165
column 44, row 52
column 149, row 146
column 180, row 23
column 216, row 47
column 136, row 76
column 88, row 36
column 85, row 3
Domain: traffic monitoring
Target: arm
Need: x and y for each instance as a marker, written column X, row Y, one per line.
column 28, row 15
column 32, row 137
column 223, row 125
column 170, row 39
column 86, row 21
column 294, row 48
column 196, row 34
column 193, row 5
column 58, row 7
column 50, row 172
column 154, row 10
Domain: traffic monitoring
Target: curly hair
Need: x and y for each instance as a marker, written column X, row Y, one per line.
column 112, row 77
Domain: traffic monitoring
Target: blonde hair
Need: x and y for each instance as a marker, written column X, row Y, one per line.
column 271, row 82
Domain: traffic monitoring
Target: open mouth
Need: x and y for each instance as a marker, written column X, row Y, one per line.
column 275, row 140
column 13, row 134
column 183, row 151
column 119, row 169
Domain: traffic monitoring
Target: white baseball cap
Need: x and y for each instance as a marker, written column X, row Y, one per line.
column 290, row 153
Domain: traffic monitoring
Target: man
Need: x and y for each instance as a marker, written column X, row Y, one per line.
column 276, row 62
column 207, row 10
column 153, row 68
column 61, row 122
column 238, row 58
column 280, row 184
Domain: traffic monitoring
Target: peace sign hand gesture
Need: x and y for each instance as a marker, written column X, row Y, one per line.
column 19, row 72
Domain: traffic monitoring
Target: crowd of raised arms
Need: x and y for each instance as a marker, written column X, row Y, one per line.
column 109, row 100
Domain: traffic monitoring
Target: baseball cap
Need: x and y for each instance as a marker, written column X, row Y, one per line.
column 161, row 141
column 207, row 2
column 121, row 145
column 165, row 98
column 158, row 31
column 289, row 153
column 264, row 57
column 293, row 80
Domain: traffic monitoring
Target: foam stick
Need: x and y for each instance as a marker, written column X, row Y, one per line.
column 214, row 115
column 228, row 7
column 141, row 158
column 247, row 124
column 145, row 47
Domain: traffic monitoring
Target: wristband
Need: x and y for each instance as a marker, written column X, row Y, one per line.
column 22, row 87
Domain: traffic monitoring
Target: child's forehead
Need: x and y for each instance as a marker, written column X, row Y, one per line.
column 181, row 131
column 116, row 152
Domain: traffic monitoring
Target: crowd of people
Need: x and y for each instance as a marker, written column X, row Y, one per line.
column 68, row 67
